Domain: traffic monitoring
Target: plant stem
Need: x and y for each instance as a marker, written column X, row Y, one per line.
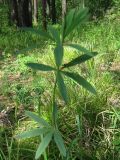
column 41, row 137
column 54, row 114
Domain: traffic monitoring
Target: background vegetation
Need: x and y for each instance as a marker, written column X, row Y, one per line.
column 90, row 124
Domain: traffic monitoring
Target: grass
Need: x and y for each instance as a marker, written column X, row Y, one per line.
column 90, row 124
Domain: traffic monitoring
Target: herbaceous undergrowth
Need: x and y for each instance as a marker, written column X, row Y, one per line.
column 50, row 131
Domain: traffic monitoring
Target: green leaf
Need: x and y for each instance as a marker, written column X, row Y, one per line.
column 62, row 87
column 41, row 67
column 79, row 122
column 116, row 141
column 69, row 20
column 26, row 49
column 78, row 18
column 43, row 145
column 32, row 133
column 58, row 54
column 81, row 81
column 55, row 34
column 36, row 118
column 80, row 48
column 38, row 32
column 79, row 60
column 60, row 143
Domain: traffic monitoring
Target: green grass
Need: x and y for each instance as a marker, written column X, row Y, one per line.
column 89, row 124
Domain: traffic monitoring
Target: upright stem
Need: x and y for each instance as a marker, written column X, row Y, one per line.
column 41, row 137
column 54, row 105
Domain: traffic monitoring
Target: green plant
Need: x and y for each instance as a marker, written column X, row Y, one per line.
column 9, row 148
column 46, row 130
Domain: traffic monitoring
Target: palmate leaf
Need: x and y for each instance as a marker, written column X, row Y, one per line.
column 32, row 133
column 81, row 16
column 80, row 80
column 43, row 145
column 41, row 67
column 55, row 34
column 69, row 20
column 79, row 60
column 36, row 118
column 38, row 32
column 27, row 49
column 60, row 143
column 80, row 48
column 78, row 17
column 58, row 54
column 62, row 87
